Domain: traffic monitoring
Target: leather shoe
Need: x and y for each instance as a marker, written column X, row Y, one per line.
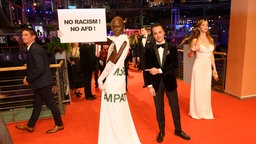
column 91, row 97
column 181, row 134
column 25, row 127
column 55, row 129
column 78, row 94
column 160, row 137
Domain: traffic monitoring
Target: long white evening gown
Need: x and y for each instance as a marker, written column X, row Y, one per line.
column 200, row 92
column 116, row 123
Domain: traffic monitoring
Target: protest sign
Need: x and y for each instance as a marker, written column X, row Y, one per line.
column 82, row 25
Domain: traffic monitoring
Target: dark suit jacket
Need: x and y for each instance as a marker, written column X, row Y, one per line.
column 169, row 66
column 141, row 49
column 38, row 72
column 87, row 58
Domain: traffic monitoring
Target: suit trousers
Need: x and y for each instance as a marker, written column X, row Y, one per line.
column 88, row 85
column 44, row 95
column 173, row 103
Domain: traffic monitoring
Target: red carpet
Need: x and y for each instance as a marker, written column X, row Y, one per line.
column 234, row 121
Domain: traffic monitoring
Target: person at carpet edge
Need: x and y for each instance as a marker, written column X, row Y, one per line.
column 201, row 46
column 161, row 63
column 87, row 64
column 144, row 42
column 97, row 60
column 76, row 78
column 116, row 123
column 40, row 79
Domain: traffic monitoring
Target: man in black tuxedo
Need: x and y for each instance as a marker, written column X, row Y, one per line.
column 40, row 79
column 87, row 61
column 144, row 42
column 161, row 63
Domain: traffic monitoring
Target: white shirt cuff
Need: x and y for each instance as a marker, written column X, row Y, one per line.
column 160, row 70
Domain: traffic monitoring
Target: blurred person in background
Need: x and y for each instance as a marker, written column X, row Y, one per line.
column 76, row 78
column 144, row 42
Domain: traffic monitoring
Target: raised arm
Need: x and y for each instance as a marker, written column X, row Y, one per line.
column 193, row 47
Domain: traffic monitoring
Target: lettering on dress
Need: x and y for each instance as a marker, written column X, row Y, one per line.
column 115, row 98
column 119, row 72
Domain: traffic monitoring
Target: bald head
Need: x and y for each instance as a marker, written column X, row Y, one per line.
column 117, row 25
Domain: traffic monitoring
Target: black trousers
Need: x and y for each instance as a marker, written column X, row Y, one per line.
column 44, row 95
column 88, row 85
column 173, row 103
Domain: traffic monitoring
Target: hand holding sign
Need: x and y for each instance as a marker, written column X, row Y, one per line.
column 60, row 34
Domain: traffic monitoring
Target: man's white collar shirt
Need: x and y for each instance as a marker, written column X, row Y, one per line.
column 29, row 46
column 161, row 52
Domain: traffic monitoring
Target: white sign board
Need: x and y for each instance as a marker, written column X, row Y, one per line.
column 82, row 25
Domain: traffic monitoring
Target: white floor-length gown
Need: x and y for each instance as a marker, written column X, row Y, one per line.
column 116, row 123
column 200, row 92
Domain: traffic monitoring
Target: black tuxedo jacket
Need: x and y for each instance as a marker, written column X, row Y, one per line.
column 38, row 72
column 169, row 66
column 142, row 49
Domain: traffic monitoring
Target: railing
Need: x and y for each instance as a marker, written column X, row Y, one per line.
column 220, row 61
column 221, row 65
column 14, row 95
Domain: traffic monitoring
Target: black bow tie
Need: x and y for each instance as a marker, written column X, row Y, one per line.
column 143, row 37
column 160, row 45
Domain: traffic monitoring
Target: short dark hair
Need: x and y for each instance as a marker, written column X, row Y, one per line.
column 156, row 25
column 30, row 30
column 143, row 27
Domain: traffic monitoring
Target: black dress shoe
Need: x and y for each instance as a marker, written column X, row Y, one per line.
column 160, row 137
column 91, row 97
column 181, row 134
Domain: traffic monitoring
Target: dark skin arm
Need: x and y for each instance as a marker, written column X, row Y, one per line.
column 114, row 55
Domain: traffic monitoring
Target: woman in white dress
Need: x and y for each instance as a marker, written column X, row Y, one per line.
column 116, row 124
column 201, row 46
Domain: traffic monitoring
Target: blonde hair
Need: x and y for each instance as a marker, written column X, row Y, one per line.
column 196, row 33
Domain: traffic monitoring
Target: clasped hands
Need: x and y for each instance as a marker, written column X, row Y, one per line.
column 73, row 62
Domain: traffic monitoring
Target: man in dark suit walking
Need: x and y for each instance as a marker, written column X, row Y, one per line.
column 40, row 80
column 144, row 42
column 160, row 65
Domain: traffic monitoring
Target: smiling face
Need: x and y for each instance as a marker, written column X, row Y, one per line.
column 117, row 26
column 28, row 36
column 158, row 34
